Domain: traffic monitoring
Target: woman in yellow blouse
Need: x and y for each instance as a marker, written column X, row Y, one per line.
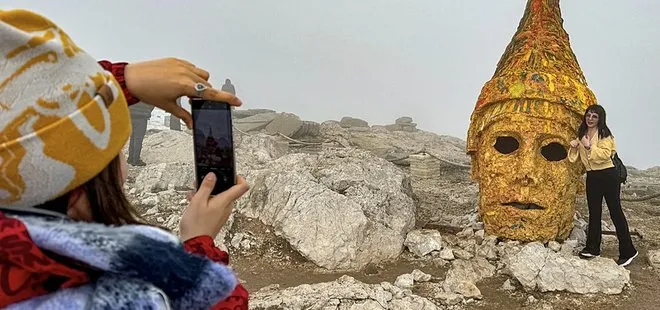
column 595, row 148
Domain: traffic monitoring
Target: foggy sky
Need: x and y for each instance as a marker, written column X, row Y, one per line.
column 378, row 59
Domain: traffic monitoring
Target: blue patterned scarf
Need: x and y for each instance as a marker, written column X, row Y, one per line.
column 140, row 267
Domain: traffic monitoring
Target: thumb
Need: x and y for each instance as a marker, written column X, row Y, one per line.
column 234, row 192
column 204, row 191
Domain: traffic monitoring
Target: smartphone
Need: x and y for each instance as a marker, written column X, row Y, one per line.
column 213, row 143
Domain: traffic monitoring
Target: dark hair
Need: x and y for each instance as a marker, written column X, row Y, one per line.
column 106, row 198
column 603, row 130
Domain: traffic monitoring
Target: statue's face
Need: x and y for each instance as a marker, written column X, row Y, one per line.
column 527, row 185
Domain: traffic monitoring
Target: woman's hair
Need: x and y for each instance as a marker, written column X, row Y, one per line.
column 603, row 130
column 107, row 200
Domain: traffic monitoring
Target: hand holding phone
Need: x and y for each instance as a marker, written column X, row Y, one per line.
column 213, row 143
column 206, row 215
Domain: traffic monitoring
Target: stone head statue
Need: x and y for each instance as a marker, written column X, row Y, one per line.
column 520, row 130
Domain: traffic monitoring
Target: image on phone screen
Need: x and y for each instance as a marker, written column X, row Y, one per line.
column 213, row 142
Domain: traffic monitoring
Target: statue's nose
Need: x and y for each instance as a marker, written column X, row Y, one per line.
column 526, row 169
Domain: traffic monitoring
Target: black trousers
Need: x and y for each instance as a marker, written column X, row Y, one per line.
column 605, row 184
column 135, row 144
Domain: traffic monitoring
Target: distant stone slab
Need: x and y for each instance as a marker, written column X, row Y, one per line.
column 348, row 122
column 255, row 122
column 239, row 114
column 285, row 123
column 404, row 120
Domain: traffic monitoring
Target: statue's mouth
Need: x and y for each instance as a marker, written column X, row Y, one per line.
column 524, row 206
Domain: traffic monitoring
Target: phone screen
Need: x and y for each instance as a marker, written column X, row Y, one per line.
column 213, row 142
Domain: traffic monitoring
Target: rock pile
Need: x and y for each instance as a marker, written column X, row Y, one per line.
column 475, row 256
column 344, row 293
column 403, row 124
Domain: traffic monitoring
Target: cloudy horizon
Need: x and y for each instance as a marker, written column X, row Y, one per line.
column 378, row 60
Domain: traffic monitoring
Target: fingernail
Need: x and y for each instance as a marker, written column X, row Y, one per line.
column 210, row 176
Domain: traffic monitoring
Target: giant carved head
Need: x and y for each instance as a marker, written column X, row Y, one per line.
column 520, row 131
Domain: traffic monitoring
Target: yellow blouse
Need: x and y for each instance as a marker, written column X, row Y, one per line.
column 599, row 157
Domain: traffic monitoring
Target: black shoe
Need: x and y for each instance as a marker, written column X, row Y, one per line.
column 623, row 261
column 138, row 162
column 588, row 254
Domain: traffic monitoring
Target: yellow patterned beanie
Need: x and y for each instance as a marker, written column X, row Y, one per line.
column 62, row 117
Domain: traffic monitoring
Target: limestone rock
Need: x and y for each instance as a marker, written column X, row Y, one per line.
column 508, row 286
column 332, row 131
column 554, row 245
column 405, row 281
column 285, row 123
column 420, row 276
column 240, row 114
column 159, row 177
column 256, row 151
column 537, row 267
column 569, row 247
column 344, row 293
column 462, row 254
column 341, row 208
column 255, row 122
column 167, row 146
column 464, row 274
column 350, row 122
column 404, row 120
column 308, row 129
column 447, row 254
column 424, row 241
column 654, row 258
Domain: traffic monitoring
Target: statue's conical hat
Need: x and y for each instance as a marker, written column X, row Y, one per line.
column 538, row 75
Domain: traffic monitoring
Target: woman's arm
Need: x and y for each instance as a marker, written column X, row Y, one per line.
column 204, row 245
column 117, row 69
column 573, row 154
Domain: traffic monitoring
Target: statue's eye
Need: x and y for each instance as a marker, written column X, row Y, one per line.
column 554, row 152
column 506, row 145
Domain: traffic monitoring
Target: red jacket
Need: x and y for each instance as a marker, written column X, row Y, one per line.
column 27, row 272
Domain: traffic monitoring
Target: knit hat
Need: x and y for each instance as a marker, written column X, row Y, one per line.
column 537, row 76
column 62, row 117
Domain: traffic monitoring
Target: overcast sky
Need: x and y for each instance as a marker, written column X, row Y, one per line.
column 378, row 59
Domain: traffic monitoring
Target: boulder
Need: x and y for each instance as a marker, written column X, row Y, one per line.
column 341, row 208
column 257, row 150
column 255, row 122
column 538, row 267
column 161, row 177
column 284, row 123
column 308, row 129
column 424, row 241
column 464, row 274
column 167, row 146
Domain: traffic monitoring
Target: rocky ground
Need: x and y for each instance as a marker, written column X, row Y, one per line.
column 344, row 215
